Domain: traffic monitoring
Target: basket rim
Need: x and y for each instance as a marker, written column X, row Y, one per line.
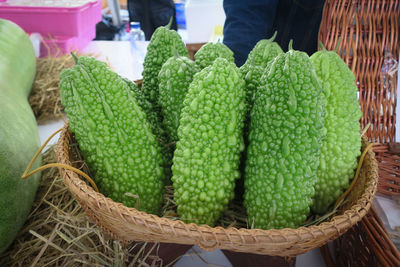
column 207, row 237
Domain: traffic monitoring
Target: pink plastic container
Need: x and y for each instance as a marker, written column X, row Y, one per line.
column 65, row 25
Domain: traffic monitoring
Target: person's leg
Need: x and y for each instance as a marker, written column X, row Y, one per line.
column 152, row 14
column 139, row 11
column 299, row 20
column 246, row 23
column 161, row 12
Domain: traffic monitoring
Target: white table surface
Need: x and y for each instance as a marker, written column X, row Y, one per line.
column 128, row 63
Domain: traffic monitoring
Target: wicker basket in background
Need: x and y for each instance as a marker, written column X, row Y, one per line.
column 369, row 32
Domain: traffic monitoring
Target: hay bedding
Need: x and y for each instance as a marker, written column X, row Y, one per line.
column 45, row 96
column 58, row 233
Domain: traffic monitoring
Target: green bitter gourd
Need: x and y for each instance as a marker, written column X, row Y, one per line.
column 211, row 51
column 156, row 126
column 286, row 131
column 161, row 47
column 174, row 78
column 206, row 159
column 113, row 134
column 263, row 52
column 342, row 145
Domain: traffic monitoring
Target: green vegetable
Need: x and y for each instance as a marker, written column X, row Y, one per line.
column 286, row 131
column 206, row 159
column 342, row 145
column 156, row 127
column 263, row 52
column 19, row 136
column 113, row 134
column 253, row 79
column 211, row 51
column 175, row 77
column 151, row 115
column 257, row 63
column 252, row 76
column 161, row 47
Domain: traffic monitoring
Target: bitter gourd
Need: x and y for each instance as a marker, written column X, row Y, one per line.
column 263, row 52
column 174, row 79
column 262, row 55
column 286, row 131
column 211, row 51
column 162, row 45
column 156, row 126
column 113, row 134
column 342, row 145
column 206, row 159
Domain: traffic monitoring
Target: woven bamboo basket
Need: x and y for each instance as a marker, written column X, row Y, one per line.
column 128, row 224
column 369, row 30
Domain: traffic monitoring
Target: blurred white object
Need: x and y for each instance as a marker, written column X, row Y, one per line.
column 36, row 39
column 117, row 54
column 201, row 18
column 136, row 33
column 389, row 210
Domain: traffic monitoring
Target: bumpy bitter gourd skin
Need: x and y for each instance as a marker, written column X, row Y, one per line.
column 156, row 126
column 263, row 52
column 174, row 78
column 206, row 159
column 286, row 131
column 113, row 134
column 262, row 55
column 342, row 145
column 151, row 115
column 211, row 51
column 162, row 45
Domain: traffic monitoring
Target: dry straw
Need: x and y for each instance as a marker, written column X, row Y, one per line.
column 58, row 233
column 128, row 224
column 45, row 96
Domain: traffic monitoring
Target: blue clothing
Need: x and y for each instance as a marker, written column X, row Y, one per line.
column 247, row 22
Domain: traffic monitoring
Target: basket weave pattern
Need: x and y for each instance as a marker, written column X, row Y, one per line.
column 367, row 244
column 369, row 32
column 128, row 224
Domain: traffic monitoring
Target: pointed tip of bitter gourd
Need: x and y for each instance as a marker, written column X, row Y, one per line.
column 168, row 26
column 337, row 45
column 175, row 52
column 74, row 57
column 290, row 46
column 273, row 36
column 322, row 46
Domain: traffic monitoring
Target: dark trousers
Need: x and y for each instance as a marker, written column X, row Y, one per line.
column 152, row 14
column 247, row 22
